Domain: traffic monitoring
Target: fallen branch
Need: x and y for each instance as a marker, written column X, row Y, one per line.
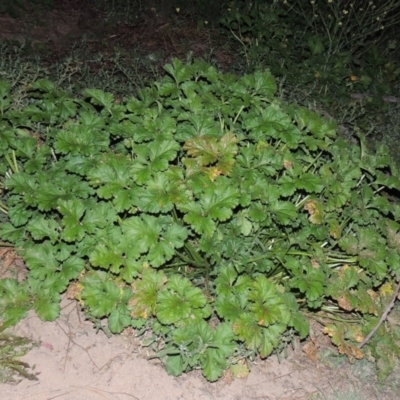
column 383, row 317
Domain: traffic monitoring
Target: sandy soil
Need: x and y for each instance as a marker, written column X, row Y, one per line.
column 73, row 362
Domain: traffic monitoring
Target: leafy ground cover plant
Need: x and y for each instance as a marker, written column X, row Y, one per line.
column 338, row 56
column 206, row 213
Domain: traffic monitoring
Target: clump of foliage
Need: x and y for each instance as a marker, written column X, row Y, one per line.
column 337, row 56
column 11, row 348
column 206, row 213
column 327, row 42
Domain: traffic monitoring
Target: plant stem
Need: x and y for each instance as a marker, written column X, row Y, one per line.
column 2, row 244
column 321, row 318
column 3, row 208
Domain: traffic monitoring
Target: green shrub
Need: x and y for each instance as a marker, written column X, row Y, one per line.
column 333, row 56
column 206, row 213
column 325, row 36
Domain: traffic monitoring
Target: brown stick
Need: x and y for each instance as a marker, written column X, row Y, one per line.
column 383, row 317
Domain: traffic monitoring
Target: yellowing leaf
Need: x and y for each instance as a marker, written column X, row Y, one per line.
column 143, row 302
column 344, row 303
column 386, row 290
column 374, row 295
column 314, row 263
column 240, row 370
column 228, row 143
column 208, row 151
column 287, row 164
column 337, row 333
column 354, row 333
column 213, row 172
column 343, row 269
column 329, row 330
column 74, row 291
column 351, row 352
column 314, row 209
column 203, row 148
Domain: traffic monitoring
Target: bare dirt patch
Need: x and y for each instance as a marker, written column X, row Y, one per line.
column 151, row 31
column 72, row 362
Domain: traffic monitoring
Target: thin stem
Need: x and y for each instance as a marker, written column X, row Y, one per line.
column 12, row 162
column 244, row 46
column 237, row 115
column 350, row 260
column 314, row 161
column 2, row 244
column 383, row 317
column 189, row 258
column 320, row 318
column 3, row 208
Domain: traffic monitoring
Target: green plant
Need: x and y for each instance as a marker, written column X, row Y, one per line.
column 205, row 211
column 345, row 25
column 339, row 395
column 329, row 56
column 341, row 32
column 11, row 348
column 347, row 44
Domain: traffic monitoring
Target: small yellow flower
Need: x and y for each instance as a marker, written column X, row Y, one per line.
column 345, row 12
